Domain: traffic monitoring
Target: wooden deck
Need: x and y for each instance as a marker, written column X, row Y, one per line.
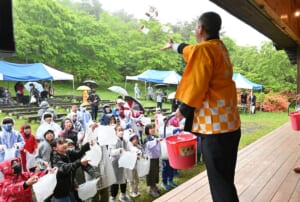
column 264, row 172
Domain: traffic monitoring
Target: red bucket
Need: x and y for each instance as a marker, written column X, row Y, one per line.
column 182, row 150
column 295, row 120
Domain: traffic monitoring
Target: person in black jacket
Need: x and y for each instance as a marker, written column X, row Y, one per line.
column 252, row 100
column 67, row 161
column 94, row 101
column 175, row 104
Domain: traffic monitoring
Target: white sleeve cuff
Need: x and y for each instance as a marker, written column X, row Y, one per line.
column 175, row 47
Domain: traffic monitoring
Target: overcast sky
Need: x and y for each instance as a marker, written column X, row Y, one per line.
column 186, row 10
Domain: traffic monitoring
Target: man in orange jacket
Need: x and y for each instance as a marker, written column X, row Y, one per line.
column 209, row 104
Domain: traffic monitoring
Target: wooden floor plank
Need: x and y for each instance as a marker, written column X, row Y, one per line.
column 200, row 194
column 295, row 197
column 266, row 185
column 287, row 188
column 272, row 185
column 261, row 141
column 289, row 185
column 185, row 189
column 264, row 170
column 260, row 147
column 248, row 173
column 263, row 173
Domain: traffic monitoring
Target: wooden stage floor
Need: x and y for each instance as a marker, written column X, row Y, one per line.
column 264, row 172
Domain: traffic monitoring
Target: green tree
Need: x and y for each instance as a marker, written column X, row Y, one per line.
column 81, row 38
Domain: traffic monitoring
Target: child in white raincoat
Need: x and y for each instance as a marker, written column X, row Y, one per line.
column 133, row 174
column 115, row 153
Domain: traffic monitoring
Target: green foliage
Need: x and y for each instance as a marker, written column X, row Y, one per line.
column 265, row 66
column 81, row 38
column 260, row 97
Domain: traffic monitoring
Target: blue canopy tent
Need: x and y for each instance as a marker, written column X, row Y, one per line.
column 242, row 82
column 31, row 72
column 157, row 76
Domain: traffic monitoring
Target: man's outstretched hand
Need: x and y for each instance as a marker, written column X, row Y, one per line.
column 168, row 45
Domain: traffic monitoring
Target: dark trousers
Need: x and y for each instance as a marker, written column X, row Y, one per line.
column 220, row 154
column 153, row 177
column 167, row 172
column 94, row 112
column 114, row 189
column 49, row 199
column 198, row 149
column 20, row 98
column 159, row 105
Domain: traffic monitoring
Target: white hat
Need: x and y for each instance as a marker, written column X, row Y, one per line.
column 131, row 136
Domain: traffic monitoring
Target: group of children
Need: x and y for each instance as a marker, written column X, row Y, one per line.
column 19, row 176
column 64, row 148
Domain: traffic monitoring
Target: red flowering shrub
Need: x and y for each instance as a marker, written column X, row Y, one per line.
column 275, row 103
column 289, row 94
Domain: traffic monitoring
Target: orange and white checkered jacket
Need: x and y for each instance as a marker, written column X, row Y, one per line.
column 207, row 86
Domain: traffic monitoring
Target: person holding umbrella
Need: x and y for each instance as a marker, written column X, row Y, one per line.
column 90, row 83
column 94, row 101
column 34, row 95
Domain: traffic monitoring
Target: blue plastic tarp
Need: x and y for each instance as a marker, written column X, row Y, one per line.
column 31, row 72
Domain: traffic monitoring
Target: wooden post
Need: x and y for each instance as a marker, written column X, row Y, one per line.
column 298, row 69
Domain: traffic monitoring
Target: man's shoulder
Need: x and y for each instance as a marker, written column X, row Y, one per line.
column 208, row 45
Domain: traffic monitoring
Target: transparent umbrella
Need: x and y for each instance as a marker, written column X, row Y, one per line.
column 37, row 85
column 118, row 89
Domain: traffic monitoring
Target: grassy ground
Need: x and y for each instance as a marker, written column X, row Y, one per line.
column 253, row 126
column 259, row 124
